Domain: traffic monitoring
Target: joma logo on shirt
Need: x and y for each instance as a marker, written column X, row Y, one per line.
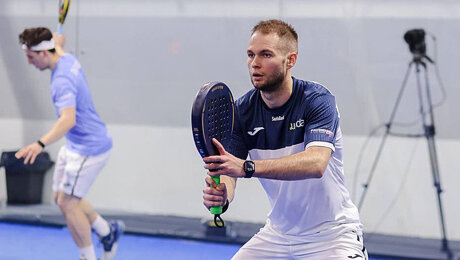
column 298, row 124
column 256, row 130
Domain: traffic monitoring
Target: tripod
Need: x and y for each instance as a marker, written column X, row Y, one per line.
column 426, row 110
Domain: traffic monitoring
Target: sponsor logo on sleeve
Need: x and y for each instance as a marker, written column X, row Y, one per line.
column 65, row 97
column 322, row 131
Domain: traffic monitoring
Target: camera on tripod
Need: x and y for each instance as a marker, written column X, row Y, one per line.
column 416, row 40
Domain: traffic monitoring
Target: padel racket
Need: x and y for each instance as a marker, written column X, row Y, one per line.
column 213, row 116
column 64, row 6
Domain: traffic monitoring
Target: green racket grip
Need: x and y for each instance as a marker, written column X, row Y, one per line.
column 218, row 209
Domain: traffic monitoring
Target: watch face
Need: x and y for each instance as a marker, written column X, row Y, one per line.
column 249, row 166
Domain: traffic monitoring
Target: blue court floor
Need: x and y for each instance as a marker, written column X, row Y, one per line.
column 21, row 242
column 26, row 242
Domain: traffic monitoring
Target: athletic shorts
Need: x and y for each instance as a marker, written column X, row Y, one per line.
column 74, row 174
column 268, row 244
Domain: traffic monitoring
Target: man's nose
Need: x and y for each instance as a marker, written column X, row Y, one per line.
column 255, row 62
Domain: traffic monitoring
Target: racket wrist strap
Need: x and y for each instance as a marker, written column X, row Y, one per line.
column 225, row 207
column 218, row 221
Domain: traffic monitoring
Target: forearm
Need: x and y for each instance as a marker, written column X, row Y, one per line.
column 311, row 163
column 230, row 183
column 59, row 129
column 304, row 165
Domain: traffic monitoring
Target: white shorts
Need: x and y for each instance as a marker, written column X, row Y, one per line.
column 74, row 174
column 268, row 244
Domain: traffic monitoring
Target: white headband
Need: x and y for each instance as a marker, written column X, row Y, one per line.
column 42, row 46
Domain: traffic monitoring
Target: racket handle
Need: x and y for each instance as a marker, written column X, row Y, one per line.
column 59, row 29
column 218, row 209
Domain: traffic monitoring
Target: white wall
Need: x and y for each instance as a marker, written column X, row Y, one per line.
column 156, row 170
column 144, row 86
column 401, row 197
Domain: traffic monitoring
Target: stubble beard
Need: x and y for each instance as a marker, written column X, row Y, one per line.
column 272, row 84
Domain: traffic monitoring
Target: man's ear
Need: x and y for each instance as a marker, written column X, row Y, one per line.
column 291, row 59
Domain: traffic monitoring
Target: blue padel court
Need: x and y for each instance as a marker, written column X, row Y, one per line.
column 21, row 241
column 38, row 232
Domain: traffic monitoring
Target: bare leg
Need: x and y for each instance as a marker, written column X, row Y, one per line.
column 89, row 211
column 77, row 221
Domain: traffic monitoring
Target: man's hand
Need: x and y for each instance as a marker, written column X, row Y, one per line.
column 59, row 42
column 29, row 153
column 224, row 164
column 214, row 196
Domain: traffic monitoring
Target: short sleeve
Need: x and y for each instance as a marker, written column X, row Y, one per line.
column 63, row 93
column 322, row 121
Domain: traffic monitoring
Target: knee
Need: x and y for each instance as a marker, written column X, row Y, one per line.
column 66, row 203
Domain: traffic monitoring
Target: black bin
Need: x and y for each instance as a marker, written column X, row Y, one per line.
column 24, row 182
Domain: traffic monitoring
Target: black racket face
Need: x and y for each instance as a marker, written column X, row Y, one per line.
column 63, row 9
column 213, row 116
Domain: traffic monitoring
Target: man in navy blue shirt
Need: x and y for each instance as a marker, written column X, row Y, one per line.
column 290, row 130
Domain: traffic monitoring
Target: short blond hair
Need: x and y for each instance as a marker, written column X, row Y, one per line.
column 284, row 31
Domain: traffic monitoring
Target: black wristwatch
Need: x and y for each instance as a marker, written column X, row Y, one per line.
column 249, row 168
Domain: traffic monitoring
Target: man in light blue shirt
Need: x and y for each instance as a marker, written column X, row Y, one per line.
column 88, row 143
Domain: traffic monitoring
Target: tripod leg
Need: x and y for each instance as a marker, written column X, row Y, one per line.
column 428, row 125
column 382, row 143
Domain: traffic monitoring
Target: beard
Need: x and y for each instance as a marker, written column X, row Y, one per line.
column 272, row 83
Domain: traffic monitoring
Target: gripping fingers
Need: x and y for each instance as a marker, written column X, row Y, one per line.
column 210, row 182
column 213, row 197
column 210, row 200
column 213, row 166
column 210, row 190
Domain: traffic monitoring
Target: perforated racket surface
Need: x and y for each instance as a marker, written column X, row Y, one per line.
column 213, row 116
column 64, row 6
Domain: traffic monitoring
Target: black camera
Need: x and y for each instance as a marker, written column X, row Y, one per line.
column 416, row 40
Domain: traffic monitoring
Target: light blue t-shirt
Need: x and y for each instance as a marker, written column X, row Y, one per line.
column 69, row 88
